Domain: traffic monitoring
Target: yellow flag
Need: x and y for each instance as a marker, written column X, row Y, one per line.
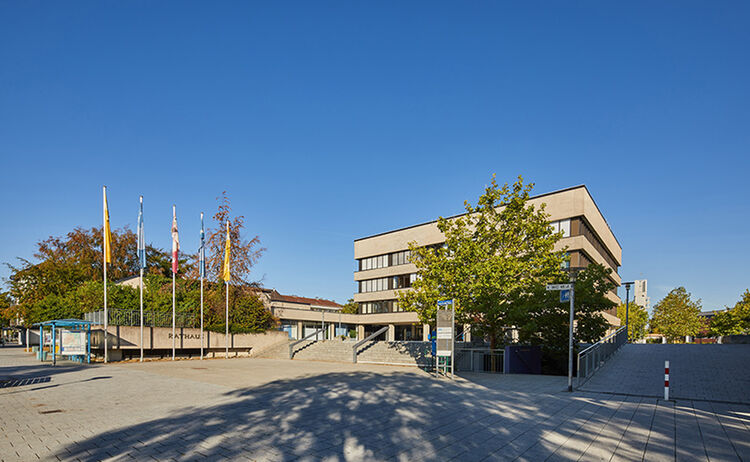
column 107, row 238
column 226, row 256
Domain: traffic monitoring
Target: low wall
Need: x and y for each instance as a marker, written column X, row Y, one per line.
column 128, row 338
column 735, row 339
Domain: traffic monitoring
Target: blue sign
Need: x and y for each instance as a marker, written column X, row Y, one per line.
column 565, row 295
column 445, row 302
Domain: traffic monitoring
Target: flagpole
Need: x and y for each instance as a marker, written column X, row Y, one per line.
column 173, row 291
column 202, row 263
column 173, row 315
column 141, row 284
column 226, row 339
column 140, row 263
column 104, row 260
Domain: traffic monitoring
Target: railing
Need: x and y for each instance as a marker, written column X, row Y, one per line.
column 293, row 344
column 480, row 360
column 594, row 357
column 360, row 343
column 117, row 317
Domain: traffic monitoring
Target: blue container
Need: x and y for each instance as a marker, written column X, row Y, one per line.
column 523, row 359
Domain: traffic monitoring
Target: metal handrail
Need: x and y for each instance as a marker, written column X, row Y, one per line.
column 293, row 344
column 358, row 344
column 599, row 352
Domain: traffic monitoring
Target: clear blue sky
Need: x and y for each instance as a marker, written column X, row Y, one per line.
column 326, row 122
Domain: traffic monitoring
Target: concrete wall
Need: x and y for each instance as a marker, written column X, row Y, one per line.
column 128, row 337
column 375, row 318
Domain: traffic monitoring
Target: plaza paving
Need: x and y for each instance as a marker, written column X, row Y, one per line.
column 254, row 409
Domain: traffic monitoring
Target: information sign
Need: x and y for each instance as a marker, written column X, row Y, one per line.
column 565, row 295
column 73, row 343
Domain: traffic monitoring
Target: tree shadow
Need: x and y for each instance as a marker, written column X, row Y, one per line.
column 335, row 416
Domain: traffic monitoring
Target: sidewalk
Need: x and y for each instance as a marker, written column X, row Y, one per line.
column 249, row 409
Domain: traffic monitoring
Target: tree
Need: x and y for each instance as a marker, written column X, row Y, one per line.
column 638, row 320
column 63, row 263
column 676, row 315
column 500, row 250
column 733, row 321
column 351, row 307
column 243, row 253
column 7, row 313
column 543, row 320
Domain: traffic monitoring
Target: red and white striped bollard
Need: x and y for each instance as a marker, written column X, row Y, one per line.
column 666, row 380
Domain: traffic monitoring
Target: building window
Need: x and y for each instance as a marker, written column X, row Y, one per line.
column 561, row 226
column 381, row 306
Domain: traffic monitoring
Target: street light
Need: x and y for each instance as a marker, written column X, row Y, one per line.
column 627, row 310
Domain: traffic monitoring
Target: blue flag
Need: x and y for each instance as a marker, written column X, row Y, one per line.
column 141, row 239
column 202, row 252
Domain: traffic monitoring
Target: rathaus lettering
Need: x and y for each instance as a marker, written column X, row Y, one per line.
column 186, row 336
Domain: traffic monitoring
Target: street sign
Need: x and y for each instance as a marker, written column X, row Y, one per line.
column 565, row 295
column 445, row 302
column 559, row 286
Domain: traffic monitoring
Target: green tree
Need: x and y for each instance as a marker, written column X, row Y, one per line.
column 542, row 319
column 500, row 250
column 351, row 307
column 638, row 320
column 676, row 315
column 733, row 321
column 246, row 311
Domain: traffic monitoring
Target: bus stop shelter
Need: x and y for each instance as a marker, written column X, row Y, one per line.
column 71, row 337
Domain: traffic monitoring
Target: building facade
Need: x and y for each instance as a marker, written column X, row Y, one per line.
column 383, row 268
column 640, row 293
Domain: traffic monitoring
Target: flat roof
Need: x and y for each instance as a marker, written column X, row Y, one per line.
column 532, row 197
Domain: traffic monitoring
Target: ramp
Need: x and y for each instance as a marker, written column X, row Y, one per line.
column 697, row 372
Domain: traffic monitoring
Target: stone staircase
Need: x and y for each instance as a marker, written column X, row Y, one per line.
column 397, row 353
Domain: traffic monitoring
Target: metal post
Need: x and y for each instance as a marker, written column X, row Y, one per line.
column 52, row 347
column 141, row 288
column 173, row 315
column 570, row 334
column 226, row 338
column 104, row 260
column 88, row 344
column 453, row 338
column 323, row 320
column 627, row 312
column 201, row 316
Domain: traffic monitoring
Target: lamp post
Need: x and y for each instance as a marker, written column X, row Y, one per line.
column 627, row 310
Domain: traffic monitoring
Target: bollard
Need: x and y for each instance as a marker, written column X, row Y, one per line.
column 666, row 380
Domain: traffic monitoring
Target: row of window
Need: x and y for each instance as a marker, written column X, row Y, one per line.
column 382, row 306
column 401, row 281
column 561, row 226
column 383, row 261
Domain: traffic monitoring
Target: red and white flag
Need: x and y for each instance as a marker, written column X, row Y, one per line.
column 175, row 241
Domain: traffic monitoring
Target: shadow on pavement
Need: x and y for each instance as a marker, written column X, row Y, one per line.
column 347, row 416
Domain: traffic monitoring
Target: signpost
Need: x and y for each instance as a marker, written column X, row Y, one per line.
column 567, row 293
column 445, row 336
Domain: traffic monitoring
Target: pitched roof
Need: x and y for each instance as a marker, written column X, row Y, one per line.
column 277, row 297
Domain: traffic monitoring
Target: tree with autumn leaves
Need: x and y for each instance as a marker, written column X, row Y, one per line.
column 64, row 278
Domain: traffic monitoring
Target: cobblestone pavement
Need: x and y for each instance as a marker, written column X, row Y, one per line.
column 698, row 372
column 230, row 409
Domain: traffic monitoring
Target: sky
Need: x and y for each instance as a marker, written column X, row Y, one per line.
column 330, row 121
